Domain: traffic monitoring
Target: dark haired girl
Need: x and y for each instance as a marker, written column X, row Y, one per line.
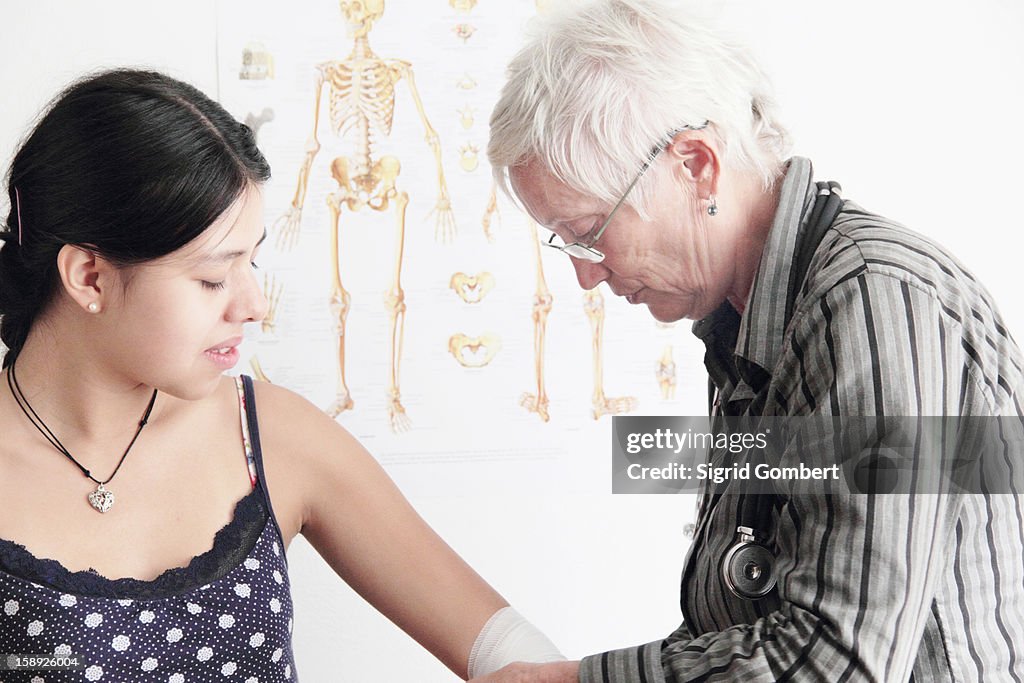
column 147, row 511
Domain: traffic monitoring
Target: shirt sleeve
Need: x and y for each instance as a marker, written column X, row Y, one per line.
column 857, row 572
column 634, row 664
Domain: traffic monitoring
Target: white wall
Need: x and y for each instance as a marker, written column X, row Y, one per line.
column 914, row 107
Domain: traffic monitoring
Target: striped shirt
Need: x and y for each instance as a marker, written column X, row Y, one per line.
column 923, row 587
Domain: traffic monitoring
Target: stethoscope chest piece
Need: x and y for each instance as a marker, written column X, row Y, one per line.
column 748, row 568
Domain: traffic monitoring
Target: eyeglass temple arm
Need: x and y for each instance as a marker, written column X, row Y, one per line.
column 625, row 194
column 654, row 153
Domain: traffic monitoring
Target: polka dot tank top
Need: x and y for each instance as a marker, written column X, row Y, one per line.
column 227, row 616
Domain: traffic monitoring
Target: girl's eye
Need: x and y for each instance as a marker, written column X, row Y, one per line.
column 220, row 285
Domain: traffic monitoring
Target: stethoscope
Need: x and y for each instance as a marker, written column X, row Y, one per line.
column 748, row 567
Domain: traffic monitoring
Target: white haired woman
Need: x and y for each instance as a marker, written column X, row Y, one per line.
column 650, row 147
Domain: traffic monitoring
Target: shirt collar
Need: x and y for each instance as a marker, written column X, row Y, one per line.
column 762, row 326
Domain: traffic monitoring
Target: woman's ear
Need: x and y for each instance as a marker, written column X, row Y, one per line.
column 87, row 278
column 697, row 162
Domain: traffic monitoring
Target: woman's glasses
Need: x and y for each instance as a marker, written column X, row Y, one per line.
column 586, row 251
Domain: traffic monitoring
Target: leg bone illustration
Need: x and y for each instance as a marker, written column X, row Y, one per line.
column 256, row 121
column 542, row 300
column 666, row 373
column 272, row 291
column 394, row 300
column 257, row 371
column 491, row 210
column 593, row 304
column 340, row 300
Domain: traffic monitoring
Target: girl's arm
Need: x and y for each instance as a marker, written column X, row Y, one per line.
column 361, row 524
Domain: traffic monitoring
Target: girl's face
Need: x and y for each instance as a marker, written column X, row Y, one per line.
column 179, row 324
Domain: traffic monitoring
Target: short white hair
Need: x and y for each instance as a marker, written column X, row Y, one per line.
column 599, row 85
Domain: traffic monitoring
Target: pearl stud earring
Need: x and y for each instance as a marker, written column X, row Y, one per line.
column 713, row 207
column 93, row 307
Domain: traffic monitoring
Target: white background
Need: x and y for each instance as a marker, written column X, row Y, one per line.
column 914, row 107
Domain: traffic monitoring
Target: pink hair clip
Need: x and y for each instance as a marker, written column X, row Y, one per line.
column 17, row 201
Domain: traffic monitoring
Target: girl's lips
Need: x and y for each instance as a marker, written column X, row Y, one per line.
column 223, row 360
column 233, row 341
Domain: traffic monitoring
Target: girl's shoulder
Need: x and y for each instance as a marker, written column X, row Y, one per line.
column 304, row 451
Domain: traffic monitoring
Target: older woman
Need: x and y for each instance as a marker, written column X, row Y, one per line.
column 650, row 148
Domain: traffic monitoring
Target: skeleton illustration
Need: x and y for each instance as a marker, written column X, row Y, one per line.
column 468, row 157
column 361, row 97
column 465, row 82
column 256, row 121
column 466, row 116
column 666, row 373
column 491, row 210
column 472, row 288
column 542, row 300
column 257, row 63
column 257, row 371
column 474, row 352
column 593, row 304
column 464, row 31
column 272, row 291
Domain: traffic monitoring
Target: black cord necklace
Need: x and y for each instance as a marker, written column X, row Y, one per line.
column 101, row 498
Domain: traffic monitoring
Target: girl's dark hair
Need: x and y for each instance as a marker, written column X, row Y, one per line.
column 134, row 164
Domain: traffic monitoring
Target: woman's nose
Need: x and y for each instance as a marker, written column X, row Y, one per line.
column 590, row 274
column 252, row 304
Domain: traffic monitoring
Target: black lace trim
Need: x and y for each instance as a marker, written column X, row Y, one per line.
column 231, row 545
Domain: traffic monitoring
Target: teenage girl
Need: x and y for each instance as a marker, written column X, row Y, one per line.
column 148, row 498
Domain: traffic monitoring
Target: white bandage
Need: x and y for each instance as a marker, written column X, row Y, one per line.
column 507, row 637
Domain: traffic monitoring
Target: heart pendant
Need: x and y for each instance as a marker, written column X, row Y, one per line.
column 101, row 499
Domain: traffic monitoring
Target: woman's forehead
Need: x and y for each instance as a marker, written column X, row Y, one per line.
column 548, row 199
column 237, row 229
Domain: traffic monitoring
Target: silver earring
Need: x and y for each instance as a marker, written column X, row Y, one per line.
column 93, row 307
column 713, row 206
